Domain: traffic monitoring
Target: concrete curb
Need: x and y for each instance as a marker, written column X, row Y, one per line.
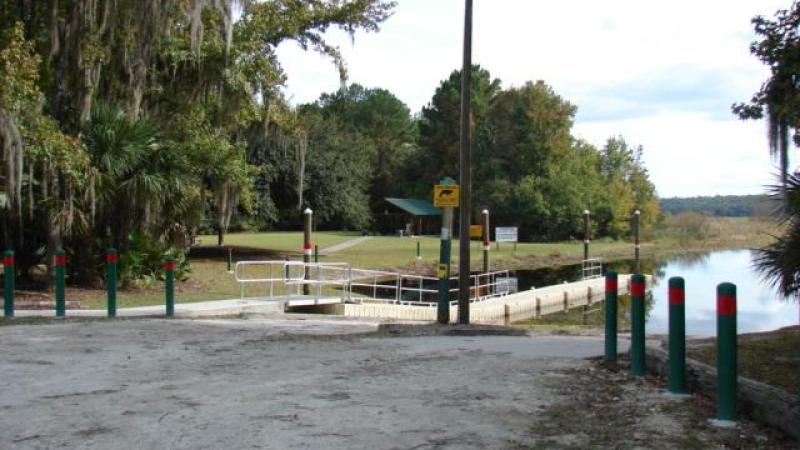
column 182, row 310
column 405, row 329
column 760, row 401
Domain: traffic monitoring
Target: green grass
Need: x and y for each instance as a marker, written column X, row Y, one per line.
column 770, row 357
column 280, row 241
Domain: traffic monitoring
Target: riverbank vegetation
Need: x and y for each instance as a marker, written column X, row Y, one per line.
column 778, row 101
column 770, row 357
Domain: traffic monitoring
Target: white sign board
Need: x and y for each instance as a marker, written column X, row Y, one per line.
column 505, row 234
column 508, row 285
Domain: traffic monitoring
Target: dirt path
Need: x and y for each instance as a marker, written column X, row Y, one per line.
column 158, row 384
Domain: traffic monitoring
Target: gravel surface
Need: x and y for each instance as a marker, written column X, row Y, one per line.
column 277, row 384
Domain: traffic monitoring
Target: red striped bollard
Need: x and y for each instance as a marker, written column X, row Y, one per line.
column 169, row 285
column 60, row 261
column 677, row 336
column 112, row 258
column 726, row 352
column 8, row 284
column 637, row 324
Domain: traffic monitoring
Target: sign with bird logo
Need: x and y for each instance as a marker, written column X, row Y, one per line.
column 445, row 196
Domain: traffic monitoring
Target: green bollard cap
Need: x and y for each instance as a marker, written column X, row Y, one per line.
column 111, row 250
column 726, row 289
column 9, row 253
column 611, row 273
column 638, row 278
column 59, row 251
column 676, row 283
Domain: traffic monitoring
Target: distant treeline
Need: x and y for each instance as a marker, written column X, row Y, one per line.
column 718, row 205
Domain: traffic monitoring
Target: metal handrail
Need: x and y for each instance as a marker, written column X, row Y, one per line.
column 385, row 286
column 592, row 268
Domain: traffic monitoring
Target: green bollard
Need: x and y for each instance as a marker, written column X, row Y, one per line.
column 169, row 285
column 419, row 256
column 677, row 336
column 8, row 284
column 611, row 316
column 726, row 352
column 637, row 324
column 59, row 261
column 112, row 258
column 316, row 254
column 230, row 260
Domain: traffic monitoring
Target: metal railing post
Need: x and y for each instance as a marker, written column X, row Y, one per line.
column 319, row 282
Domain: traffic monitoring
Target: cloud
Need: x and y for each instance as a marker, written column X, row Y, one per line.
column 663, row 74
column 678, row 89
column 689, row 154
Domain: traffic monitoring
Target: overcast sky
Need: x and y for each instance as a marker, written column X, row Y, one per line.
column 661, row 74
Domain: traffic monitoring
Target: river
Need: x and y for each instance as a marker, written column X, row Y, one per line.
column 759, row 306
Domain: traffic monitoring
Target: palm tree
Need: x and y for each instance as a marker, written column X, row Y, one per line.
column 778, row 101
column 139, row 183
column 779, row 262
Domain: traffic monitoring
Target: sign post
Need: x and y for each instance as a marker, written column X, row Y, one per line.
column 445, row 196
column 307, row 215
column 586, row 234
column 486, row 241
column 637, row 215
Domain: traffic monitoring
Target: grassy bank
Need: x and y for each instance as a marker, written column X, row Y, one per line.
column 209, row 279
column 770, row 357
column 391, row 252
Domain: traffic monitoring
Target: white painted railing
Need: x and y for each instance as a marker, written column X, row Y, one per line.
column 592, row 268
column 367, row 285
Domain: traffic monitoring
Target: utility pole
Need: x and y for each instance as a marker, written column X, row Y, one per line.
column 465, row 202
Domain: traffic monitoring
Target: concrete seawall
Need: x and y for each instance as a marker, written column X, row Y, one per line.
column 523, row 305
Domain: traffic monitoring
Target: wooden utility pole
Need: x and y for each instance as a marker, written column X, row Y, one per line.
column 465, row 175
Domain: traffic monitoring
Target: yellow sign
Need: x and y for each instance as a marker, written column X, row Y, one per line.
column 476, row 231
column 445, row 196
column 441, row 272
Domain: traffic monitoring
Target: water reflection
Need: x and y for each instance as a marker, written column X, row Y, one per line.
column 760, row 308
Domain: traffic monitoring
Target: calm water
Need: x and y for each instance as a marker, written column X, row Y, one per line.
column 759, row 307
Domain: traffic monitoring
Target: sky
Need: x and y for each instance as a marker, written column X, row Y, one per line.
column 661, row 74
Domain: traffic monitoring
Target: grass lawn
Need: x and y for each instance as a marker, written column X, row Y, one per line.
column 279, row 241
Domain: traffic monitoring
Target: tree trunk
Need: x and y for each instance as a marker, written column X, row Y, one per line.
column 220, row 236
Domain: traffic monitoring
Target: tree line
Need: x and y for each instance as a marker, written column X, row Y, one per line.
column 138, row 125
column 718, row 205
column 361, row 145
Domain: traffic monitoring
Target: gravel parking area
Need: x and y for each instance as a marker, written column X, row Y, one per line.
column 203, row 384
